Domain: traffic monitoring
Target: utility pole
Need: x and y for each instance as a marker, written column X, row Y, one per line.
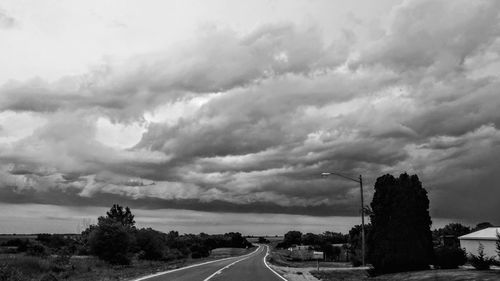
column 362, row 221
column 360, row 181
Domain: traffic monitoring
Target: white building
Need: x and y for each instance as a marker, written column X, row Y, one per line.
column 487, row 237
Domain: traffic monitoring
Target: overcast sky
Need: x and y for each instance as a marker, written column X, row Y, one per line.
column 204, row 113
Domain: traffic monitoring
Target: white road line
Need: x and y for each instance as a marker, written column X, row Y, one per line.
column 227, row 266
column 189, row 266
column 265, row 262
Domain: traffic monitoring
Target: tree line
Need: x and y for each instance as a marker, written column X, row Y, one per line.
column 116, row 239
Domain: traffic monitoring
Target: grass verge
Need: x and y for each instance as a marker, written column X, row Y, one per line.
column 435, row 275
column 20, row 267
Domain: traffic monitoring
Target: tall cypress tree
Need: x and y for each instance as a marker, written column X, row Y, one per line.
column 400, row 238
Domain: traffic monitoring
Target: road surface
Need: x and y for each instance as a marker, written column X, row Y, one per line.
column 250, row 267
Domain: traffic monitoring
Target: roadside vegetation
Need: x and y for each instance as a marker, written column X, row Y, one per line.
column 112, row 249
column 400, row 244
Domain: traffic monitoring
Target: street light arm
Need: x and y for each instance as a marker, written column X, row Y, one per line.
column 340, row 175
column 360, row 181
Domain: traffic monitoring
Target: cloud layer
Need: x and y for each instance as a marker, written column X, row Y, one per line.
column 247, row 121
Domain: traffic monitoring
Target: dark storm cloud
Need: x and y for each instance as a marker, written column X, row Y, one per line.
column 280, row 106
column 71, row 198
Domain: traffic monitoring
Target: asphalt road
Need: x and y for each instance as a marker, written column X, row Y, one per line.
column 250, row 267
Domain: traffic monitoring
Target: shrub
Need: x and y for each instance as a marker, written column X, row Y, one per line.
column 112, row 239
column 111, row 242
column 8, row 273
column 199, row 251
column 37, row 250
column 263, row 240
column 21, row 244
column 29, row 265
column 63, row 256
column 449, row 257
column 150, row 244
column 48, row 277
column 481, row 262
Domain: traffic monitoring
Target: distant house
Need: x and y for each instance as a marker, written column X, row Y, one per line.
column 486, row 237
column 299, row 248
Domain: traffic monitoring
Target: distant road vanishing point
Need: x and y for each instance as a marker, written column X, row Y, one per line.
column 251, row 267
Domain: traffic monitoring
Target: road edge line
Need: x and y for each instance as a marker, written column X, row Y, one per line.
column 189, row 266
column 272, row 270
column 228, row 266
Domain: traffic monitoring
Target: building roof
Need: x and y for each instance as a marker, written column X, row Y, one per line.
column 489, row 233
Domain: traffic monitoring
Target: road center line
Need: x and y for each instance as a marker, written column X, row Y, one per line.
column 190, row 266
column 229, row 265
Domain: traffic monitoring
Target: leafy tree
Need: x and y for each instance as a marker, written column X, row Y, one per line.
column 21, row 244
column 151, row 244
column 113, row 238
column 111, row 242
column 292, row 237
column 355, row 240
column 236, row 240
column 37, row 249
column 263, row 240
column 482, row 225
column 448, row 235
column 449, row 257
column 335, row 237
column 498, row 244
column 312, row 239
column 455, row 229
column 335, row 252
column 199, row 251
column 400, row 238
column 119, row 215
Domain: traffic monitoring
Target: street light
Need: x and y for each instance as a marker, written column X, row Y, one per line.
column 360, row 181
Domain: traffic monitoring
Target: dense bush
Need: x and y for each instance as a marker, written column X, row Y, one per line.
column 263, row 240
column 8, row 273
column 480, row 261
column 199, row 251
column 355, row 241
column 449, row 257
column 21, row 244
column 112, row 242
column 400, row 238
column 151, row 244
column 37, row 249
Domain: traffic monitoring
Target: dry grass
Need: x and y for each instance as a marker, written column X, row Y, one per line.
column 435, row 275
column 24, row 267
column 280, row 258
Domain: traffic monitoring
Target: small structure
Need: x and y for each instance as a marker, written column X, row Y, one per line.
column 301, row 252
column 486, row 237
